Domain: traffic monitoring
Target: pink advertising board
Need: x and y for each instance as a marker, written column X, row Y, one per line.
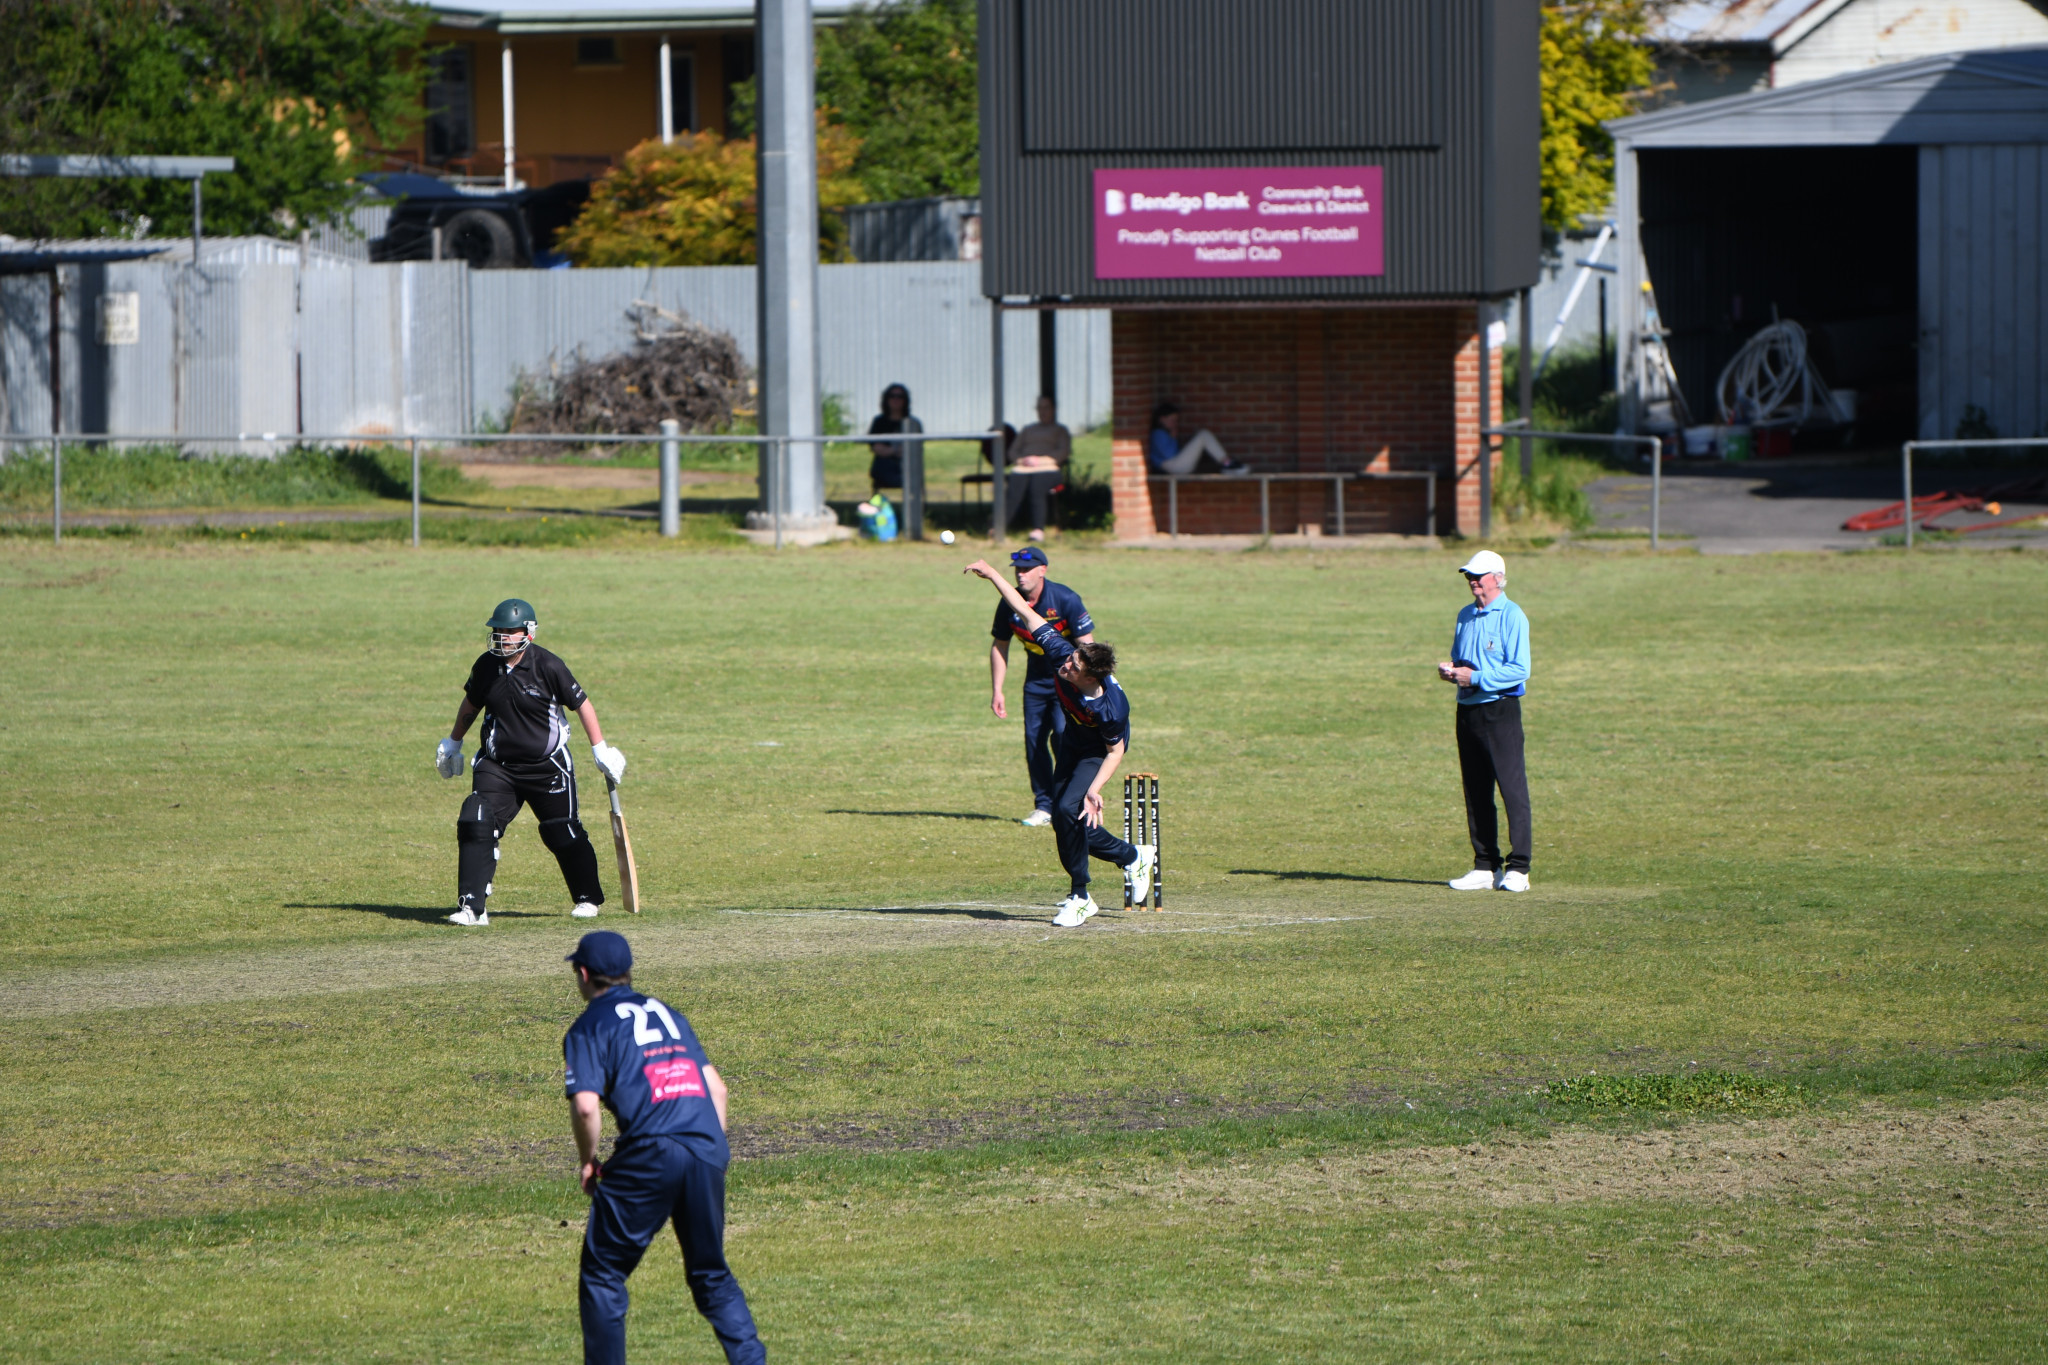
column 1238, row 222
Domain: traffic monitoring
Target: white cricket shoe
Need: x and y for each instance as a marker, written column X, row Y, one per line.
column 1138, row 876
column 1074, row 910
column 584, row 910
column 1478, row 879
column 1038, row 819
column 1514, row 881
column 469, row 918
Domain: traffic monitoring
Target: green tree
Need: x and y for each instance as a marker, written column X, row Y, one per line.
column 1598, row 63
column 294, row 90
column 902, row 77
column 693, row 202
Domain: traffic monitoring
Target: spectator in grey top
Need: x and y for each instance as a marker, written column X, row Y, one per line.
column 1038, row 461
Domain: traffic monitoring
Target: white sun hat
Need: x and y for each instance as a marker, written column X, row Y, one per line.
column 1486, row 561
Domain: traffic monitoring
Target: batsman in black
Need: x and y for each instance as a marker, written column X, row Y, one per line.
column 522, row 692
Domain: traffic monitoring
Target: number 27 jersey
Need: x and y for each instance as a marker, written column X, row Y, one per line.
column 644, row 1062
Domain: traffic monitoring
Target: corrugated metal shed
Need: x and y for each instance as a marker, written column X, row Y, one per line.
column 1441, row 93
column 1980, row 121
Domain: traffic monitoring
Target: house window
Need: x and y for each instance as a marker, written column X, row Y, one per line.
column 448, row 132
column 597, row 52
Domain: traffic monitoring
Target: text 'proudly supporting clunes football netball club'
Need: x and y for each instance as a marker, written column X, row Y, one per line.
column 1233, row 222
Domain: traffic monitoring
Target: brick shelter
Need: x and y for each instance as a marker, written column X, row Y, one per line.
column 1340, row 387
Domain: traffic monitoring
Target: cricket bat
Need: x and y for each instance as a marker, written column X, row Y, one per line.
column 622, row 844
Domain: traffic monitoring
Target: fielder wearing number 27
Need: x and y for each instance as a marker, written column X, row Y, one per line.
column 522, row 692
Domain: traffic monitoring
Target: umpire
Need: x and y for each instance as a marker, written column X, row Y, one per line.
column 1489, row 663
column 522, row 757
column 631, row 1054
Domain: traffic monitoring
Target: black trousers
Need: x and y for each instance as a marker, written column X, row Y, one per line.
column 550, row 789
column 1490, row 755
column 1077, row 840
column 1036, row 485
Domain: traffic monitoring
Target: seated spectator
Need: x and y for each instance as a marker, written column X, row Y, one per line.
column 1166, row 453
column 988, row 447
column 885, row 470
column 1038, row 461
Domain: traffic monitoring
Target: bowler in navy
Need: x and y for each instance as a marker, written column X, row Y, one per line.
column 1060, row 607
column 1095, row 737
column 633, row 1055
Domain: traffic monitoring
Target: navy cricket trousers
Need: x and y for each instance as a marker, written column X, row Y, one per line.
column 1044, row 723
column 1078, row 840
column 645, row 1184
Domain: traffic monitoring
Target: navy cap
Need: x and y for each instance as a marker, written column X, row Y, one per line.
column 1030, row 557
column 603, row 953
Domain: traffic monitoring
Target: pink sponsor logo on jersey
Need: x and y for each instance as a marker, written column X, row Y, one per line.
column 673, row 1080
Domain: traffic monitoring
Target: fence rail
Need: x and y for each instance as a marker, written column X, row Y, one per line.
column 1906, row 464
column 671, row 443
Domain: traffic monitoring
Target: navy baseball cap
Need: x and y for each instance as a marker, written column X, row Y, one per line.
column 603, row 953
column 1030, row 557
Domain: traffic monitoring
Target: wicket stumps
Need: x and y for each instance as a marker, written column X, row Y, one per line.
column 1141, row 814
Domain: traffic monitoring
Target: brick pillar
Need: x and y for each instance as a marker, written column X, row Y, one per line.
column 1131, row 362
column 1463, row 503
column 1311, row 422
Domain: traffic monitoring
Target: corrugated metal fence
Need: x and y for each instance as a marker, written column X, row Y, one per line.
column 425, row 347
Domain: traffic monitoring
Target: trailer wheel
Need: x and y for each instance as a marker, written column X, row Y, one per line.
column 481, row 238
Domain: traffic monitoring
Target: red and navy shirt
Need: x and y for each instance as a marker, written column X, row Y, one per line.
column 1093, row 723
column 1061, row 607
column 644, row 1062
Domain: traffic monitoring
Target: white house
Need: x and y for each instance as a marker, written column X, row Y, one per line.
column 1733, row 47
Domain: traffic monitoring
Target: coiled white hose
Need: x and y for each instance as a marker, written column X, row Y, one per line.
column 1771, row 382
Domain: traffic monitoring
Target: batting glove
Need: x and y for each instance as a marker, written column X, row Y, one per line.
column 611, row 760
column 448, row 758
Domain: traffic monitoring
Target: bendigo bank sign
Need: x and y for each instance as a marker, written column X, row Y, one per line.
column 1234, row 222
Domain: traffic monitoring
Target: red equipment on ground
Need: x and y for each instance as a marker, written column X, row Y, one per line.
column 1929, row 506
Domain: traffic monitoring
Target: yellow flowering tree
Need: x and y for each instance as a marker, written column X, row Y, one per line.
column 693, row 202
column 1598, row 63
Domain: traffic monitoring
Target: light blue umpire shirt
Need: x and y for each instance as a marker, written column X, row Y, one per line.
column 1493, row 642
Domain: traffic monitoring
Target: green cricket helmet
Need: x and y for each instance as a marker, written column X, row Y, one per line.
column 511, row 626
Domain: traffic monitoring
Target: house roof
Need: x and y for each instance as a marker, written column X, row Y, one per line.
column 1994, row 96
column 600, row 16
column 1765, row 24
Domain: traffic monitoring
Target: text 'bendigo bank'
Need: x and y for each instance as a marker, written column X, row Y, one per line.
column 1238, row 222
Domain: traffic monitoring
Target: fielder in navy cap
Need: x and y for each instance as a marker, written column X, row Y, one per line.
column 633, row 1055
column 1060, row 607
column 604, row 953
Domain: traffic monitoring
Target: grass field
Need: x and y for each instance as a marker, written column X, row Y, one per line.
column 263, row 1105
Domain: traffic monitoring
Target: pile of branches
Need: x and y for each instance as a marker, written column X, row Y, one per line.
column 677, row 369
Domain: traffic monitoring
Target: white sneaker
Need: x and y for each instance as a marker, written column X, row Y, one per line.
column 1074, row 910
column 469, row 918
column 1138, row 876
column 584, row 910
column 1038, row 819
column 1478, row 879
column 1514, row 881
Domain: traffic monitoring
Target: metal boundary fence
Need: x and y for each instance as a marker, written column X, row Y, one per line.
column 1651, row 442
column 671, row 444
column 1906, row 464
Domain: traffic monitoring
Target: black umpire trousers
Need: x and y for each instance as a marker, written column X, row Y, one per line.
column 1490, row 755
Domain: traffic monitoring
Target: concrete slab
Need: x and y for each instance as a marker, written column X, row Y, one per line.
column 1767, row 506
